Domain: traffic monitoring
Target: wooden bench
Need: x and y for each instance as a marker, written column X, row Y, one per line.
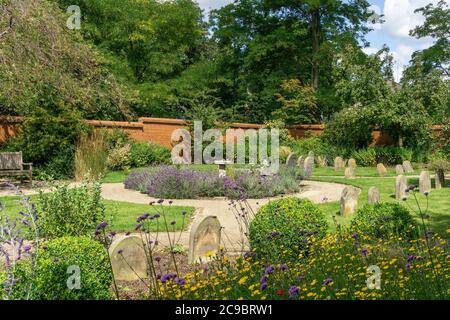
column 11, row 164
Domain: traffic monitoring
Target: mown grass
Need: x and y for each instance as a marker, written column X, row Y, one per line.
column 359, row 172
column 438, row 201
column 123, row 214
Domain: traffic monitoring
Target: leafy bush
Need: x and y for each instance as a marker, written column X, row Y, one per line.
column 384, row 220
column 48, row 140
column 172, row 183
column 316, row 144
column 280, row 228
column 119, row 158
column 70, row 211
column 52, row 271
column 284, row 153
column 147, row 153
column 350, row 128
column 392, row 155
column 365, row 157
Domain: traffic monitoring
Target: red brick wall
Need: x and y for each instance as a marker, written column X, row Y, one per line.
column 159, row 130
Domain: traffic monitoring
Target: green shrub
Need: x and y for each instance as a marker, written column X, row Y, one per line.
column 350, row 128
column 48, row 141
column 284, row 153
column 147, row 153
column 90, row 156
column 365, row 157
column 280, row 228
column 317, row 145
column 392, row 155
column 53, row 271
column 70, row 211
column 119, row 158
column 384, row 220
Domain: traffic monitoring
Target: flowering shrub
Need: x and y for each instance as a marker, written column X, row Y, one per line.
column 119, row 158
column 70, row 211
column 173, row 183
column 337, row 267
column 384, row 220
column 280, row 228
column 147, row 153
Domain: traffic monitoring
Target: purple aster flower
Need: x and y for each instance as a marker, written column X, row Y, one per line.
column 364, row 252
column 408, row 266
column 102, row 225
column 269, row 270
column 355, row 235
column 283, row 267
column 263, row 286
column 26, row 248
column 138, row 226
column 157, row 258
column 180, row 281
column 263, row 280
column 327, row 281
column 293, row 291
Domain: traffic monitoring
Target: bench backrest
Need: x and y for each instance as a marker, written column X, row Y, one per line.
column 11, row 161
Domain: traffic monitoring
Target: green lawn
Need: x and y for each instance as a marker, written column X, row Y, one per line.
column 438, row 201
column 359, row 172
column 124, row 214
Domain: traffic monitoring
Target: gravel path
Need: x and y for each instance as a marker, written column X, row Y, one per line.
column 318, row 192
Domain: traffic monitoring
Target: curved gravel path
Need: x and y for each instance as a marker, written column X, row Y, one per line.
column 318, row 192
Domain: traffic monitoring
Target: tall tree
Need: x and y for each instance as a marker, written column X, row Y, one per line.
column 436, row 26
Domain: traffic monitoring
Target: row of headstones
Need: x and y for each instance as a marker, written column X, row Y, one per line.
column 339, row 164
column 129, row 257
column 306, row 164
column 350, row 195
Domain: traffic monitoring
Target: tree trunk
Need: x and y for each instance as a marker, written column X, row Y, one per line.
column 315, row 34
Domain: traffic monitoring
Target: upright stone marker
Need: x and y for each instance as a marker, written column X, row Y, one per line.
column 399, row 169
column 401, row 184
column 349, row 201
column 291, row 160
column 308, row 167
column 439, row 179
column 352, row 163
column 311, row 154
column 424, row 182
column 349, row 173
column 338, row 164
column 382, row 171
column 204, row 238
column 374, row 195
column 128, row 258
column 407, row 167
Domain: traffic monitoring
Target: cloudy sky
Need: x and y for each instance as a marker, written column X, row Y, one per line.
column 399, row 18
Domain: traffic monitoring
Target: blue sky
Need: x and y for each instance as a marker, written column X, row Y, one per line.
column 399, row 18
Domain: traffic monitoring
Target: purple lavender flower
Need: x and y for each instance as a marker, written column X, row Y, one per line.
column 180, row 281
column 269, row 270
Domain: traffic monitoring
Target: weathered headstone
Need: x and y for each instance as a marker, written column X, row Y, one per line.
column 128, row 258
column 204, row 238
column 291, row 160
column 349, row 201
column 399, row 169
column 407, row 167
column 382, row 171
column 349, row 173
column 308, row 167
column 301, row 162
column 401, row 184
column 374, row 195
column 338, row 164
column 424, row 182
column 311, row 154
column 352, row 163
column 439, row 179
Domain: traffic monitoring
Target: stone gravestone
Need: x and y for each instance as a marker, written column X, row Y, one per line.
column 308, row 167
column 382, row 171
column 311, row 154
column 407, row 167
column 291, row 160
column 438, row 181
column 424, row 182
column 204, row 238
column 352, row 163
column 301, row 162
column 349, row 201
column 128, row 258
column 349, row 173
column 338, row 164
column 399, row 169
column 401, row 184
column 374, row 195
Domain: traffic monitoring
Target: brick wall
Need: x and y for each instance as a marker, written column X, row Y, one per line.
column 159, row 130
